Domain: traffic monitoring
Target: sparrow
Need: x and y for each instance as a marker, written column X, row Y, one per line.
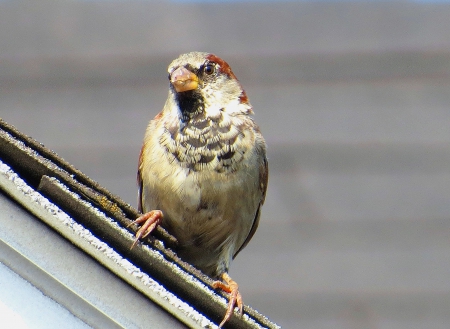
column 203, row 169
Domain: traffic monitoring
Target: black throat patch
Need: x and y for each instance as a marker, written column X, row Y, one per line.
column 191, row 104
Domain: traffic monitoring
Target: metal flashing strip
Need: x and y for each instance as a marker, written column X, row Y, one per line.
column 53, row 288
column 96, row 221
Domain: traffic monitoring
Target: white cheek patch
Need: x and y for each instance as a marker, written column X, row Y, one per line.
column 225, row 97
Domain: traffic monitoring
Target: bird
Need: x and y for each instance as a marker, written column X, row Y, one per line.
column 203, row 169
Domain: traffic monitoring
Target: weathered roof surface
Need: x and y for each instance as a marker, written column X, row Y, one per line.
column 95, row 221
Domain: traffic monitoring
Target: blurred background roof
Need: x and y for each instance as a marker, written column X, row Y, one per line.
column 352, row 97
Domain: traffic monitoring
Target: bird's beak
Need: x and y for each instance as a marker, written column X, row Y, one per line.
column 183, row 80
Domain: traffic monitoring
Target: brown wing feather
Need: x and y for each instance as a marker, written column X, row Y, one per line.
column 141, row 159
column 139, row 181
column 263, row 179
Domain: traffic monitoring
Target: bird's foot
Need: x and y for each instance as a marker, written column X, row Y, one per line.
column 149, row 221
column 235, row 299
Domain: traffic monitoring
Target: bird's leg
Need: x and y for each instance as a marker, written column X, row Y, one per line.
column 230, row 286
column 149, row 221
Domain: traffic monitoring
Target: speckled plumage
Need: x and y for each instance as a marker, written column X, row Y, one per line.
column 203, row 163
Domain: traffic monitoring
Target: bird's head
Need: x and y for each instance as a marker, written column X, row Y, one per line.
column 202, row 83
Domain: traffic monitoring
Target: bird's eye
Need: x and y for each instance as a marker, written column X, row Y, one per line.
column 209, row 69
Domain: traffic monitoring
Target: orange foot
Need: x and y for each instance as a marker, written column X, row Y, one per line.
column 230, row 286
column 150, row 220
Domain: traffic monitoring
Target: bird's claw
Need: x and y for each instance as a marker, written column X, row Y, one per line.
column 235, row 299
column 149, row 221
